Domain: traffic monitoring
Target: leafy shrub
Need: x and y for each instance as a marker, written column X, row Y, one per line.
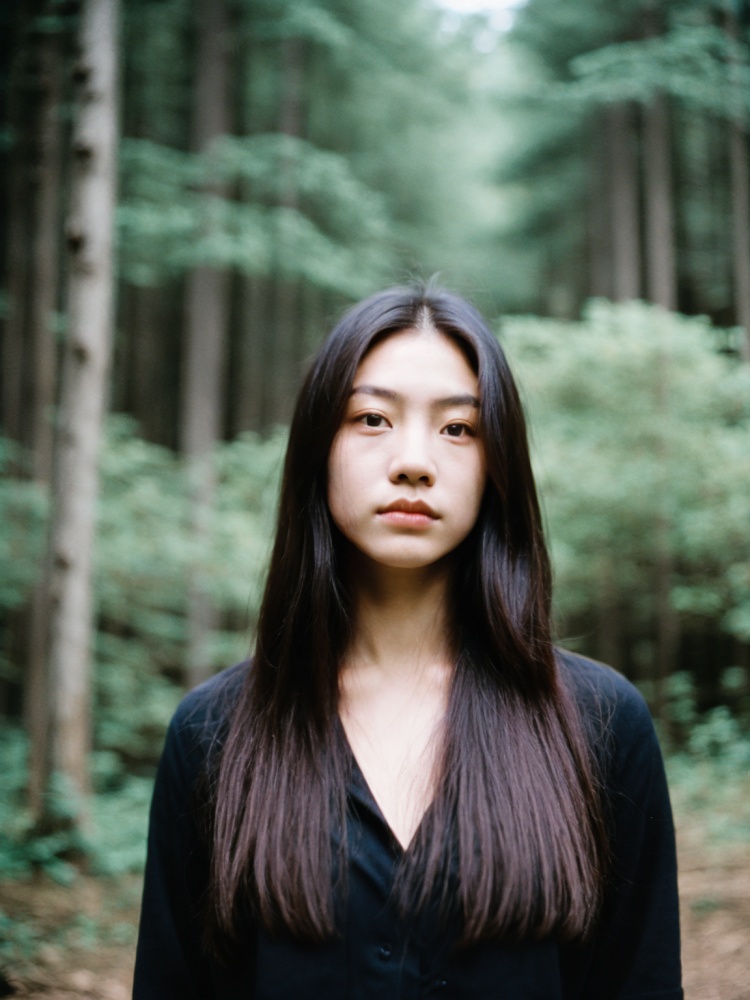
column 145, row 552
column 708, row 758
column 638, row 422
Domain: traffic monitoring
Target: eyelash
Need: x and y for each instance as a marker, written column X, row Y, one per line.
column 366, row 417
column 465, row 429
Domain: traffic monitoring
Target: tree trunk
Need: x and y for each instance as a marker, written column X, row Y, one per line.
column 740, row 197
column 15, row 361
column 286, row 325
column 46, row 267
column 148, row 394
column 18, row 250
column 609, row 644
column 83, row 398
column 46, row 257
column 206, row 321
column 661, row 272
column 660, row 256
column 739, row 169
column 599, row 210
column 667, row 622
column 250, row 393
column 623, row 171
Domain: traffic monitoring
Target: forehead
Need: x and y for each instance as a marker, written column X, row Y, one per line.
column 417, row 359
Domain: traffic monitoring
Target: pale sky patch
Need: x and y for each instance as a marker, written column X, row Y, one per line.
column 500, row 15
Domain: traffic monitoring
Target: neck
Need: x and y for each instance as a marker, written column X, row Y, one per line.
column 401, row 622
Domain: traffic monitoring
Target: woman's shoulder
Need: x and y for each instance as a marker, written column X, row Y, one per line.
column 201, row 718
column 594, row 685
column 212, row 701
column 612, row 708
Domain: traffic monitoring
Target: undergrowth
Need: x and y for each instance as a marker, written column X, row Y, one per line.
column 708, row 759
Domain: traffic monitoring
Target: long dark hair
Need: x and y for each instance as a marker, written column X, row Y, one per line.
column 517, row 804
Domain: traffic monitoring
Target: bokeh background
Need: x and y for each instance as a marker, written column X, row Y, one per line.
column 193, row 191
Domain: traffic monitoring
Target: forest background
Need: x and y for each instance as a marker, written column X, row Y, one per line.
column 193, row 192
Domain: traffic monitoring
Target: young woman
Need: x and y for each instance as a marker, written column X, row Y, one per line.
column 409, row 792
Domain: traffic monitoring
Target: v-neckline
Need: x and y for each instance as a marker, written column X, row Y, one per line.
column 372, row 802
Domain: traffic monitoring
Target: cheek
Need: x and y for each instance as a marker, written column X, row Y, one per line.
column 475, row 484
column 473, row 478
column 339, row 483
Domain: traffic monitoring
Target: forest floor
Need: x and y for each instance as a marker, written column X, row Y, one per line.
column 78, row 941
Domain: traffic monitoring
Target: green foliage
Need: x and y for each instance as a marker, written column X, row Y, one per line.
column 21, row 849
column 155, row 44
column 697, row 64
column 22, row 512
column 365, row 189
column 636, row 419
column 573, row 62
column 23, row 506
column 144, row 550
column 172, row 218
column 114, row 839
column 708, row 758
column 119, row 827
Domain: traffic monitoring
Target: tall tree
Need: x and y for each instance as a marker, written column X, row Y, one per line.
column 46, row 269
column 739, row 166
column 661, row 269
column 83, row 395
column 622, row 172
column 20, row 109
column 659, row 205
column 206, row 322
column 286, row 292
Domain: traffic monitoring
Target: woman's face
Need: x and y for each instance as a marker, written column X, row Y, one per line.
column 406, row 472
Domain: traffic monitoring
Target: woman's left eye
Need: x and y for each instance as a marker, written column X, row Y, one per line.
column 457, row 430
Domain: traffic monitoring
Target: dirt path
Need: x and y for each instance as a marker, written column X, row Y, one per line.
column 715, row 911
column 85, row 933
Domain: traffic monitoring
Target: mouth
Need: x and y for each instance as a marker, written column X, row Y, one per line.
column 409, row 513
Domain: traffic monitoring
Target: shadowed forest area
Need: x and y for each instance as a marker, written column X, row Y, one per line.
column 193, row 190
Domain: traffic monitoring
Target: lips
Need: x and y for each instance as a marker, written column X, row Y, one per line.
column 408, row 514
column 409, row 507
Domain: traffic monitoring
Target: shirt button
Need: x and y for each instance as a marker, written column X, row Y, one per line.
column 441, row 983
column 385, row 951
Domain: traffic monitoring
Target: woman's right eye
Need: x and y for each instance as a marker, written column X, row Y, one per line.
column 373, row 420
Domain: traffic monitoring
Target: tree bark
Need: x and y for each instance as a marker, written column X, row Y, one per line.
column 623, row 171
column 667, row 622
column 206, row 321
column 46, row 269
column 661, row 271
column 286, row 325
column 739, row 170
column 83, row 397
column 600, row 224
column 662, row 290
column 46, row 256
column 660, row 256
column 740, row 196
column 148, row 393
column 251, row 402
column 610, row 617
column 20, row 109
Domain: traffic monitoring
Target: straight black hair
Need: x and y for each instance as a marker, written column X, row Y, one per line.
column 516, row 825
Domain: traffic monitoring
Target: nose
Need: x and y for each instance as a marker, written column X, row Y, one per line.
column 412, row 461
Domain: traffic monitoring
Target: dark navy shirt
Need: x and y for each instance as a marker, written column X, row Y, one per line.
column 634, row 952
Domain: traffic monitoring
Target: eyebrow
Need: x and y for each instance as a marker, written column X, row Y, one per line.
column 461, row 399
